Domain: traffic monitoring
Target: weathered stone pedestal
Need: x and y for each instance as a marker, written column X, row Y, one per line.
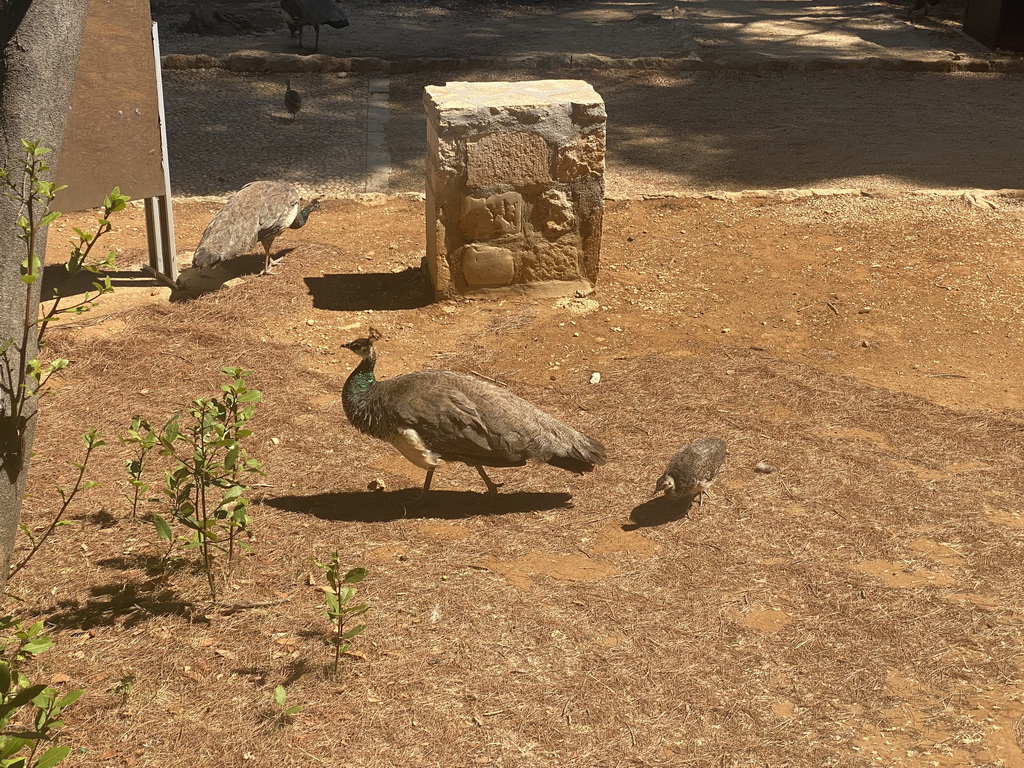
column 515, row 187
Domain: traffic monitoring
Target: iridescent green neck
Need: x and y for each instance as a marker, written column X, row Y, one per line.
column 362, row 378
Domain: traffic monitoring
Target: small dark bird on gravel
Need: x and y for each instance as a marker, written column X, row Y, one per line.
column 258, row 212
column 692, row 470
column 430, row 416
column 312, row 13
column 923, row 5
column 292, row 99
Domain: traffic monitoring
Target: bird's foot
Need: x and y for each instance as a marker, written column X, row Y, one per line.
column 268, row 269
column 492, row 487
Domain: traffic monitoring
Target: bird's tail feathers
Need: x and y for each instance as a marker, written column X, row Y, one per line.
column 582, row 456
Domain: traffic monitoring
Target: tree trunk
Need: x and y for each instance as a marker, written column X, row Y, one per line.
column 39, row 46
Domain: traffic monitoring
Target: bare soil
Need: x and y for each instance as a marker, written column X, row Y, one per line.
column 859, row 606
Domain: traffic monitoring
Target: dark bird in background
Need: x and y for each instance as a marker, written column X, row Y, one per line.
column 923, row 5
column 430, row 416
column 292, row 99
column 692, row 469
column 312, row 13
column 258, row 212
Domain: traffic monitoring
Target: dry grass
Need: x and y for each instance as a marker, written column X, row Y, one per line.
column 859, row 606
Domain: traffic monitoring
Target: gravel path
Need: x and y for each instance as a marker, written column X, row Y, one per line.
column 688, row 132
column 396, row 29
column 669, row 131
column 226, row 129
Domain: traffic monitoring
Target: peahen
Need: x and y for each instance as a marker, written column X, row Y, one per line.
column 292, row 99
column 312, row 13
column 692, row 470
column 258, row 212
column 430, row 416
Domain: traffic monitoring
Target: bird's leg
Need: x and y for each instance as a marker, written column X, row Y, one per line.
column 426, row 484
column 316, row 45
column 268, row 263
column 492, row 487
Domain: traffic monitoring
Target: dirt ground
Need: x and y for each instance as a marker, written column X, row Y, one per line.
column 859, row 606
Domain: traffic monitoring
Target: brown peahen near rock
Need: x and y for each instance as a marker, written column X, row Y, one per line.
column 692, row 470
column 430, row 416
column 258, row 212
column 312, row 13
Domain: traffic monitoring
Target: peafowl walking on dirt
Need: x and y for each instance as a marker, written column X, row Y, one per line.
column 312, row 13
column 292, row 99
column 258, row 212
column 430, row 416
column 693, row 469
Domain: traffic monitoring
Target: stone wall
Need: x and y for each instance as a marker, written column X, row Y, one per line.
column 515, row 187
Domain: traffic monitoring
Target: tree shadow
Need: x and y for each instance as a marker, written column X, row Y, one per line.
column 658, row 511
column 103, row 519
column 378, row 290
column 380, row 507
column 153, row 565
column 134, row 603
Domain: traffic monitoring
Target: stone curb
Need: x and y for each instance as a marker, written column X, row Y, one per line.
column 257, row 61
column 982, row 198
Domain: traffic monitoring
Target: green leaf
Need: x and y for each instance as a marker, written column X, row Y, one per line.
column 350, row 633
column 355, row 576
column 5, row 678
column 53, row 756
column 25, row 695
column 163, row 530
column 37, row 645
column 233, row 493
column 70, row 698
column 280, row 696
column 49, row 218
column 172, row 430
column 292, row 710
column 9, row 745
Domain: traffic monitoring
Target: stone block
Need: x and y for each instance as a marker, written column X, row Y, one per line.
column 487, row 218
column 515, row 187
column 508, row 159
column 486, row 266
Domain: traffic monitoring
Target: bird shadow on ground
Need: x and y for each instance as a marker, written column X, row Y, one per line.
column 197, row 282
column 379, row 507
column 377, row 290
column 658, row 511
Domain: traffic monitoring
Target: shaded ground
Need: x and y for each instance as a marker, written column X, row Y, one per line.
column 860, row 606
column 398, row 29
column 666, row 131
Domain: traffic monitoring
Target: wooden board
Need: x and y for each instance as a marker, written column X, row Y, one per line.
column 113, row 136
